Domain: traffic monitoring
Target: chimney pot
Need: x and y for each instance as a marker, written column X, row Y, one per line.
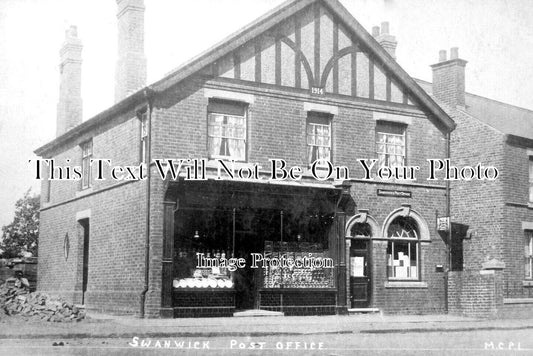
column 72, row 31
column 385, row 28
column 442, row 55
column 375, row 31
column 454, row 53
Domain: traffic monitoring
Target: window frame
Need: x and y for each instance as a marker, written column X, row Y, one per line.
column 143, row 133
column 528, row 255
column 530, row 169
column 317, row 116
column 86, row 156
column 393, row 241
column 380, row 130
column 244, row 117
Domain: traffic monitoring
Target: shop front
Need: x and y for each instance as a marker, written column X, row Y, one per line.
column 238, row 246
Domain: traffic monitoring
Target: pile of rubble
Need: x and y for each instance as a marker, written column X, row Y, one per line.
column 36, row 305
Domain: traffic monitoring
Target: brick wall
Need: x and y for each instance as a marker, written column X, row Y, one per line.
column 475, row 294
column 478, row 204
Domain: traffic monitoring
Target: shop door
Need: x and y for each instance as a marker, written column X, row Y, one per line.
column 360, row 274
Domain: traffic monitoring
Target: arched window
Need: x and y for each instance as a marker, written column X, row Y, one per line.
column 403, row 249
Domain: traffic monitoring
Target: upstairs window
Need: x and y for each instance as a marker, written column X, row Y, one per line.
column 529, row 254
column 144, row 137
column 390, row 144
column 226, row 130
column 318, row 137
column 531, row 179
column 86, row 156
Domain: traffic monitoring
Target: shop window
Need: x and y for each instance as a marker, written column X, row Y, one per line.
column 226, row 130
column 529, row 254
column 318, row 137
column 403, row 249
column 390, row 144
column 144, row 137
column 531, row 179
column 86, row 156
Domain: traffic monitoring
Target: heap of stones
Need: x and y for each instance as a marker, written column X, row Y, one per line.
column 36, row 305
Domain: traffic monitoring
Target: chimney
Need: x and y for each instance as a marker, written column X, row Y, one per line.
column 449, row 78
column 130, row 73
column 385, row 39
column 69, row 107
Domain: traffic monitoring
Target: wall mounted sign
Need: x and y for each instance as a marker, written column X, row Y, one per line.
column 443, row 223
column 394, row 193
column 66, row 246
column 318, row 91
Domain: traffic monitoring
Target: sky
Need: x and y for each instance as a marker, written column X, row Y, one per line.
column 494, row 36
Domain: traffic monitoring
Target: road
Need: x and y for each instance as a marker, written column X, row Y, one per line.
column 500, row 342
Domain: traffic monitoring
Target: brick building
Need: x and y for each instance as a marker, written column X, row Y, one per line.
column 492, row 235
column 303, row 83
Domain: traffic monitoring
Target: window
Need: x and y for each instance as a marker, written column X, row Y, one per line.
column 144, row 137
column 531, row 179
column 390, row 144
column 86, row 156
column 318, row 137
column 403, row 249
column 529, row 254
column 226, row 130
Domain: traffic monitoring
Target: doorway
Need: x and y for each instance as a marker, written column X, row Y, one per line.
column 85, row 257
column 360, row 281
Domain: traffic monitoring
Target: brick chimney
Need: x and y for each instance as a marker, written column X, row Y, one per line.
column 385, row 39
column 69, row 107
column 130, row 75
column 449, row 78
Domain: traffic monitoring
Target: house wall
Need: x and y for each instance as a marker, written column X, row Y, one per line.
column 516, row 212
column 116, row 212
column 478, row 204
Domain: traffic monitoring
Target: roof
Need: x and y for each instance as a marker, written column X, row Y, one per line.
column 435, row 113
column 506, row 118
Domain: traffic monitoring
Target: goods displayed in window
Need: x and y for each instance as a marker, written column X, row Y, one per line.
column 301, row 265
column 189, row 273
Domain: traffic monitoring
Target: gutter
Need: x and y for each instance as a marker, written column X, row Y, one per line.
column 148, row 92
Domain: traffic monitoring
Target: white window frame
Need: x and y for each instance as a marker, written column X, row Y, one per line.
column 86, row 156
column 144, row 137
column 225, row 137
column 530, row 167
column 409, row 240
column 385, row 152
column 528, row 256
column 311, row 134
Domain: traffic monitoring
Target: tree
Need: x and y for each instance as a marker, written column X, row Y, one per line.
column 22, row 234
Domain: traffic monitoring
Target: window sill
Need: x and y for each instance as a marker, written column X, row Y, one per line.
column 528, row 283
column 530, row 205
column 405, row 284
column 84, row 192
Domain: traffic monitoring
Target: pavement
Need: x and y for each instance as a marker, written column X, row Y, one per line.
column 107, row 326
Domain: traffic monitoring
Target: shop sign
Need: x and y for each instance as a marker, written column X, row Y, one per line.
column 443, row 223
column 394, row 193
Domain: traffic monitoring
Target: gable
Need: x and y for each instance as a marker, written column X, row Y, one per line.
column 313, row 50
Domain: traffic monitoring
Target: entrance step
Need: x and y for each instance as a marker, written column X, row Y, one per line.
column 363, row 310
column 257, row 312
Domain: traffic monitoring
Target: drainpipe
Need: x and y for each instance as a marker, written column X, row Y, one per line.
column 448, row 214
column 148, row 96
